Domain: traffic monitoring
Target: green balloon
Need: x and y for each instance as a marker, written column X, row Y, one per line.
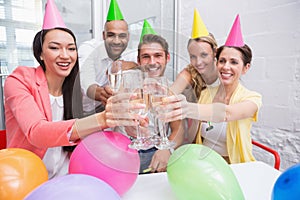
column 198, row 172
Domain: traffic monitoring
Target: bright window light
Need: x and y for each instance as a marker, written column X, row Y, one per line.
column 24, row 36
column 2, row 34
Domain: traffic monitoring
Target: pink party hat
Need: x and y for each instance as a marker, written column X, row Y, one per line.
column 52, row 18
column 235, row 38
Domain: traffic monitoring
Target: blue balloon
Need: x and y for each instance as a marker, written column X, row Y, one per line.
column 287, row 186
column 74, row 187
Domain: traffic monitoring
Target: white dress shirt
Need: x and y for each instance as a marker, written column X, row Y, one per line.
column 55, row 159
column 93, row 65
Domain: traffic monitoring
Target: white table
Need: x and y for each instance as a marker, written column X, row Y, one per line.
column 255, row 178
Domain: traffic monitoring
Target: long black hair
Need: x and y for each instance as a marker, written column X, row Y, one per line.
column 71, row 88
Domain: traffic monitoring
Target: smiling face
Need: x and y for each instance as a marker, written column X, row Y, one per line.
column 231, row 66
column 153, row 58
column 116, row 37
column 202, row 57
column 59, row 53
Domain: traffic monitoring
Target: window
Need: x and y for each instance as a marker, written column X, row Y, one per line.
column 20, row 19
column 2, row 35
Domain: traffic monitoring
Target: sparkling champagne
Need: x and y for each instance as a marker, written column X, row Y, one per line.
column 156, row 100
column 115, row 81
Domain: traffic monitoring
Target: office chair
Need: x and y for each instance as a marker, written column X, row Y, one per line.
column 270, row 150
column 2, row 139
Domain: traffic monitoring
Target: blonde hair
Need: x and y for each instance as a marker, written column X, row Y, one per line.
column 198, row 84
column 210, row 39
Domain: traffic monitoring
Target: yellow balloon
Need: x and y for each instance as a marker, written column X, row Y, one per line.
column 21, row 171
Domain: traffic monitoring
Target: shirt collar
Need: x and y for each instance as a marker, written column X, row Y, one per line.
column 59, row 100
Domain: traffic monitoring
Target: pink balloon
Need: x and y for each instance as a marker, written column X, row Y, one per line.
column 106, row 155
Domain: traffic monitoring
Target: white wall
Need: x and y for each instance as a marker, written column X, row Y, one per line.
column 272, row 30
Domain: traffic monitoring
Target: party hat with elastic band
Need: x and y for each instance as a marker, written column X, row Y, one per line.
column 52, row 18
column 199, row 28
column 235, row 38
column 114, row 12
column 147, row 29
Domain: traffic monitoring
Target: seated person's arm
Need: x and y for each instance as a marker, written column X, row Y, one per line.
column 177, row 132
column 113, row 116
column 126, row 65
column 178, row 108
column 243, row 110
column 182, row 81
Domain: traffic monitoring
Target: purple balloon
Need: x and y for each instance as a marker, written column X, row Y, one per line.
column 74, row 187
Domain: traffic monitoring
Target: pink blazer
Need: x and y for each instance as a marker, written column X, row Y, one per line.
column 28, row 113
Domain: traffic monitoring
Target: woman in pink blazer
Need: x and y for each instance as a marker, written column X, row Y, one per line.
column 43, row 105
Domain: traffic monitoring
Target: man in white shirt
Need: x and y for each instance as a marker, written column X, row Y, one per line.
column 95, row 57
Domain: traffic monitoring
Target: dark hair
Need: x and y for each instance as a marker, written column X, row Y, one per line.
column 245, row 51
column 107, row 21
column 71, row 88
column 151, row 38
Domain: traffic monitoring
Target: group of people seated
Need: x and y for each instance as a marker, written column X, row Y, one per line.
column 50, row 108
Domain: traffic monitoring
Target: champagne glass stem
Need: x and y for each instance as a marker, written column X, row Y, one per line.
column 138, row 133
column 162, row 131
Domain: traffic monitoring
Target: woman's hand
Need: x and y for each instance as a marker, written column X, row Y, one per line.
column 145, row 132
column 173, row 108
column 118, row 111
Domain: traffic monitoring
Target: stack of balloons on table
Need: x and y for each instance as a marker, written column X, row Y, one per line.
column 101, row 166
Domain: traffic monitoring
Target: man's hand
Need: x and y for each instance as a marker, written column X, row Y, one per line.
column 126, row 65
column 103, row 93
column 160, row 160
column 99, row 93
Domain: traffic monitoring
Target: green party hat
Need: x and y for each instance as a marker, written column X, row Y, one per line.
column 114, row 12
column 147, row 29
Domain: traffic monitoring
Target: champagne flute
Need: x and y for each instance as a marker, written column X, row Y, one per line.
column 161, row 90
column 115, row 76
column 133, row 83
column 150, row 87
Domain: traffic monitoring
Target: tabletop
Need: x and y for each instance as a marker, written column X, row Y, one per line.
column 255, row 178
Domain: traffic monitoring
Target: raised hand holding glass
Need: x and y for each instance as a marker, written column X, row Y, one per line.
column 158, row 91
column 133, row 83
